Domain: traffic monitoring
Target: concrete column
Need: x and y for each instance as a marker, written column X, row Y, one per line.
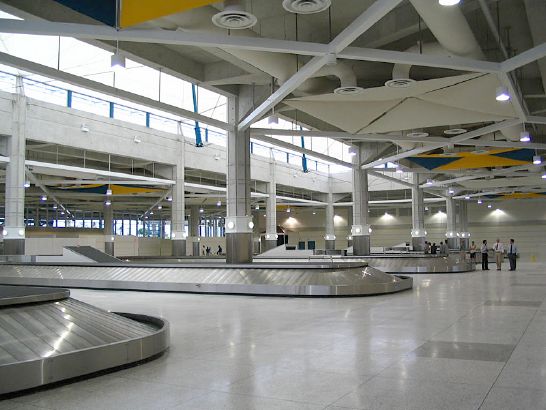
column 195, row 217
column 108, row 229
column 14, row 225
column 271, row 210
column 178, row 236
column 360, row 230
column 330, row 236
column 350, row 225
column 464, row 235
column 37, row 217
column 239, row 219
column 451, row 228
column 418, row 232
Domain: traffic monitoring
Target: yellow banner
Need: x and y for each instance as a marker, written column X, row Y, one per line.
column 134, row 12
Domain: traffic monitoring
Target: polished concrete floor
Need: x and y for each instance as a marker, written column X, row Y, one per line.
column 459, row 341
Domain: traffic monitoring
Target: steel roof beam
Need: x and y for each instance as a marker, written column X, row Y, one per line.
column 454, row 140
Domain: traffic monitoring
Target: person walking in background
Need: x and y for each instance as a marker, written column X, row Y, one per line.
column 219, row 251
column 473, row 249
column 427, row 247
column 512, row 254
column 499, row 253
column 485, row 256
column 433, row 248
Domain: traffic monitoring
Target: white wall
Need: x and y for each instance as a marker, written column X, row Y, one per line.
column 523, row 220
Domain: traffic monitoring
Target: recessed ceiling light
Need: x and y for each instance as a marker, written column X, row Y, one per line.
column 537, row 160
column 480, row 202
column 490, row 206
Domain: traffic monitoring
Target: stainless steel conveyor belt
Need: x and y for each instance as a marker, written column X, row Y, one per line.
column 47, row 337
column 296, row 279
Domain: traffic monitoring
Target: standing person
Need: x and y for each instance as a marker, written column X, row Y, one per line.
column 204, row 250
column 485, row 256
column 219, row 252
column 473, row 249
column 443, row 248
column 433, row 248
column 427, row 247
column 512, row 254
column 499, row 253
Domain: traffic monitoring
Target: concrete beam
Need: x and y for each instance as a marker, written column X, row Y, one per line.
column 40, row 69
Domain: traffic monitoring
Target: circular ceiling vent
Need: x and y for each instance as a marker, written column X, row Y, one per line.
column 400, row 83
column 455, row 131
column 350, row 90
column 417, row 134
column 306, row 6
column 234, row 18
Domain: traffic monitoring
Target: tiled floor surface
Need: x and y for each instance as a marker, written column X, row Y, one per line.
column 461, row 341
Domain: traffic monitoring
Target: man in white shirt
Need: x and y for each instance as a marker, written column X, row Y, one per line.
column 485, row 256
column 512, row 254
column 499, row 253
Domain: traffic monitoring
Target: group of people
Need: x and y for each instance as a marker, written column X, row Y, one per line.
column 511, row 250
column 207, row 250
column 434, row 249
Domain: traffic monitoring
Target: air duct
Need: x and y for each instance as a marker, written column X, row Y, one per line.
column 454, row 35
column 278, row 65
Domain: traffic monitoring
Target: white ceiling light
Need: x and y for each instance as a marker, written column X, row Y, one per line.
column 108, row 192
column 480, row 202
column 349, row 90
column 306, row 6
column 544, row 176
column 272, row 119
column 257, row 206
column 169, row 198
column 490, row 206
column 352, row 151
column 201, row 210
column 44, row 198
column 288, row 210
column 160, row 207
column 502, row 94
column 524, row 136
column 466, row 197
column 219, row 203
column 537, row 160
column 27, row 184
column 451, row 191
column 454, row 131
column 107, row 203
column 117, row 61
column 448, row 2
column 429, row 182
column 234, row 17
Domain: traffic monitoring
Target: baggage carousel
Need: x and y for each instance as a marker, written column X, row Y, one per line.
column 325, row 278
column 405, row 263
column 47, row 337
